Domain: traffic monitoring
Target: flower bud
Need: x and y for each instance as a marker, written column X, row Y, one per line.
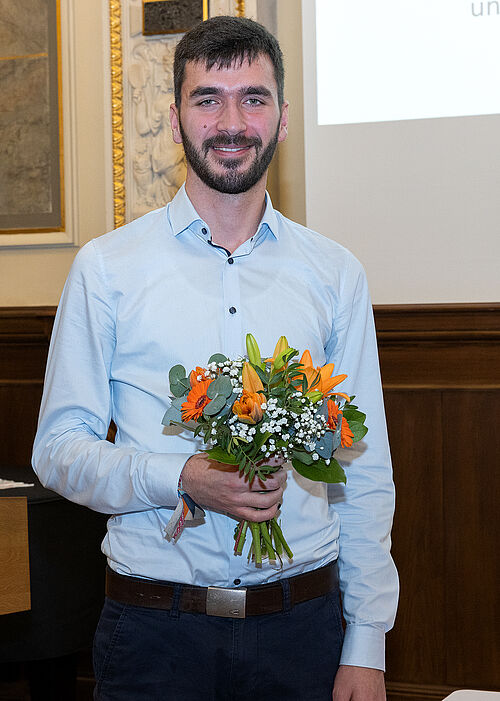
column 251, row 381
column 253, row 350
column 314, row 395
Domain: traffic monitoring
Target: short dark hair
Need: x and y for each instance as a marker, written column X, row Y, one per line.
column 221, row 41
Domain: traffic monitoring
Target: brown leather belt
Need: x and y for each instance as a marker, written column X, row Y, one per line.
column 221, row 601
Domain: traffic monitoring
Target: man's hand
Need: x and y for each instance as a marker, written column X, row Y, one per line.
column 358, row 684
column 221, row 488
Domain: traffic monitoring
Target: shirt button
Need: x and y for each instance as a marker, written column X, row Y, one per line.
column 204, row 231
column 230, row 261
column 237, row 581
column 232, row 310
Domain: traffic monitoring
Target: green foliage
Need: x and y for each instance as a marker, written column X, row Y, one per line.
column 359, row 431
column 222, row 385
column 213, row 407
column 319, row 471
column 220, row 455
column 217, row 358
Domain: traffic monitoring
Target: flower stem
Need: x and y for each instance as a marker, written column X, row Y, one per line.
column 278, row 535
column 240, row 537
column 267, row 540
column 255, row 528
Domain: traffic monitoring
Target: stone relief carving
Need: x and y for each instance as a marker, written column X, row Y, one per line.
column 157, row 162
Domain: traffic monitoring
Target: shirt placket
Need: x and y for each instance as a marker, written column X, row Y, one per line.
column 232, row 309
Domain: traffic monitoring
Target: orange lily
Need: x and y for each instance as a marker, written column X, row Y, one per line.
column 251, row 381
column 194, row 374
column 248, row 408
column 320, row 378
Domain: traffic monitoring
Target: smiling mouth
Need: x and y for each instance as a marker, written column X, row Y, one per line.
column 230, row 149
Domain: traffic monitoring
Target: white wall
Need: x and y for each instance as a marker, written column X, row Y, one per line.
column 416, row 201
column 35, row 275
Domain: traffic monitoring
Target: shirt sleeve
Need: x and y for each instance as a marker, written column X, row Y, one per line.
column 71, row 455
column 368, row 577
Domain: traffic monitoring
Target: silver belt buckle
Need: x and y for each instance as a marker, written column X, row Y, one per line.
column 229, row 603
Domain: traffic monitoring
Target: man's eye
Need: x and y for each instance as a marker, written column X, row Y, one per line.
column 254, row 101
column 207, row 101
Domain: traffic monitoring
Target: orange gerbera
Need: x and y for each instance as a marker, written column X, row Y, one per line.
column 196, row 401
column 334, row 414
column 320, row 378
column 195, row 374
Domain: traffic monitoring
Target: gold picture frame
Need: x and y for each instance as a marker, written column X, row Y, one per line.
column 118, row 141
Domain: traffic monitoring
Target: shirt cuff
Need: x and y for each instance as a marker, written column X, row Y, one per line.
column 163, row 472
column 364, row 646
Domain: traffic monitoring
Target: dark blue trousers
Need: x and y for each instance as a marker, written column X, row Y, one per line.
column 143, row 654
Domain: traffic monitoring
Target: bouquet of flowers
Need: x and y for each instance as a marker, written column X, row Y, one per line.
column 248, row 410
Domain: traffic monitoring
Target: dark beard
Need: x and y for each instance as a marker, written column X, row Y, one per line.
column 231, row 182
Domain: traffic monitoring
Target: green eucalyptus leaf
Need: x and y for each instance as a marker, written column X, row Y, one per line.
column 324, row 446
column 337, row 436
column 172, row 414
column 222, row 385
column 178, row 402
column 184, row 382
column 217, row 358
column 213, row 407
column 178, row 372
column 212, row 391
column 177, row 389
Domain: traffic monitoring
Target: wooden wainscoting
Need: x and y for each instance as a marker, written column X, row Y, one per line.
column 24, row 341
column 441, row 376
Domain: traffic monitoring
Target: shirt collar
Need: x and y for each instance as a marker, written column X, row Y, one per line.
column 182, row 214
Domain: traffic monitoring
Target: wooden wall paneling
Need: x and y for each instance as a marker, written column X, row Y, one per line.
column 454, row 345
column 20, row 403
column 471, row 500
column 24, row 341
column 414, row 421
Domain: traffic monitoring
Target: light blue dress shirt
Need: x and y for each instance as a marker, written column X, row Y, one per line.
column 156, row 293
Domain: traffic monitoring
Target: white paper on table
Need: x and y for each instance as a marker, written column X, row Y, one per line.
column 10, row 484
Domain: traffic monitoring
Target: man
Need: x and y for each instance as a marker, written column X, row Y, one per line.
column 176, row 286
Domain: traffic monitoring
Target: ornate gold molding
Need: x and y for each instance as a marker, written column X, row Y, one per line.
column 240, row 8
column 117, row 113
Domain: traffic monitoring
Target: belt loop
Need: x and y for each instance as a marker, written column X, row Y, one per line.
column 174, row 611
column 287, row 601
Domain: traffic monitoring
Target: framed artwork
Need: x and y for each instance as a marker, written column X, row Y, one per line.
column 148, row 167
column 31, row 135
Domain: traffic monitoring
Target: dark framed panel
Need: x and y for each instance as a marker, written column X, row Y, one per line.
column 172, row 16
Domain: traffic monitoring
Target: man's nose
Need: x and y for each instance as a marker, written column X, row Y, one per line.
column 231, row 119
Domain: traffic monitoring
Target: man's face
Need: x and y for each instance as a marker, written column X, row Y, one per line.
column 229, row 123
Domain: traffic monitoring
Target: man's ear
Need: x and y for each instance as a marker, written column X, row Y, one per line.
column 283, row 132
column 174, row 123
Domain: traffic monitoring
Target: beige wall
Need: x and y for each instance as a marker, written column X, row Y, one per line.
column 417, row 202
column 35, row 275
column 291, row 164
